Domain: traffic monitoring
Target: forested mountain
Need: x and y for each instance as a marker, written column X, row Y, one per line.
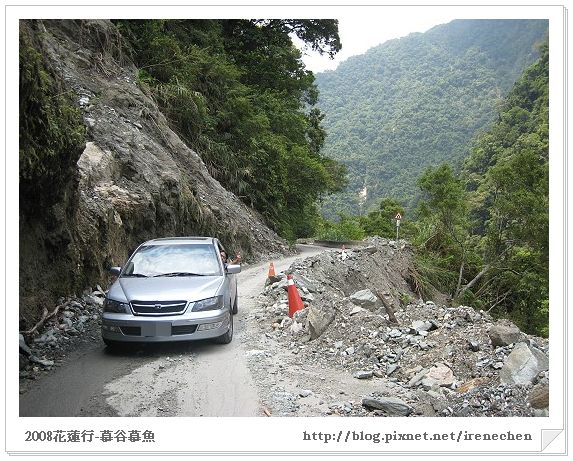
column 418, row 101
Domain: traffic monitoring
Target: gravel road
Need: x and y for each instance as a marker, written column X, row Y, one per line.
column 179, row 379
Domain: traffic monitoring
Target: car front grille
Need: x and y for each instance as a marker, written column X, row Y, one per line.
column 158, row 307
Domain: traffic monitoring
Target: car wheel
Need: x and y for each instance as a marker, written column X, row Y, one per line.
column 227, row 337
column 236, row 305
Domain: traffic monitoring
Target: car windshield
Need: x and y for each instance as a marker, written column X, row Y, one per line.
column 173, row 260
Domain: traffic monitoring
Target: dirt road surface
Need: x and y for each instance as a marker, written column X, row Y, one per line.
column 178, row 379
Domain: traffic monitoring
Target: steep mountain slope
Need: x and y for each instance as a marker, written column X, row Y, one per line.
column 128, row 178
column 418, row 101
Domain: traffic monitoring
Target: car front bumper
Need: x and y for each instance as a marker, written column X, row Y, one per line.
column 186, row 327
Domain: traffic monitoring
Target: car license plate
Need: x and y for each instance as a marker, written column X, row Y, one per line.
column 156, row 329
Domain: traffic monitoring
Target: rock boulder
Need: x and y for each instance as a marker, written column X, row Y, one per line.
column 504, row 334
column 523, row 365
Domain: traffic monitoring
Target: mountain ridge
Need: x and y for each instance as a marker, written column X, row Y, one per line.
column 417, row 101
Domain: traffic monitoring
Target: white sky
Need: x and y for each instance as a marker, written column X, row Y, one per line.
column 360, row 33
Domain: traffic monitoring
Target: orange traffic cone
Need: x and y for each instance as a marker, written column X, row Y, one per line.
column 294, row 302
column 272, row 270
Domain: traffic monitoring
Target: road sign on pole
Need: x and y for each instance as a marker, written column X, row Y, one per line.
column 398, row 217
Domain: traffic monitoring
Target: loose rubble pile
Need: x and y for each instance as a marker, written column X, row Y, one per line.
column 436, row 361
column 77, row 322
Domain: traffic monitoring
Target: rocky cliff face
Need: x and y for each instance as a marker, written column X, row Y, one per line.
column 135, row 179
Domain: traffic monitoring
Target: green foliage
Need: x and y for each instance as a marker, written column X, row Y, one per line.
column 489, row 240
column 347, row 228
column 382, row 221
column 52, row 133
column 238, row 93
column 418, row 101
column 508, row 171
column 433, row 273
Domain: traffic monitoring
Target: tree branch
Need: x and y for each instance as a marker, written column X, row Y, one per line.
column 45, row 317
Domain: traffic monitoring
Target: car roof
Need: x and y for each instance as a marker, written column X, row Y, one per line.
column 180, row 240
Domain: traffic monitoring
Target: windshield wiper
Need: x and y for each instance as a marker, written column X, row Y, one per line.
column 135, row 275
column 177, row 274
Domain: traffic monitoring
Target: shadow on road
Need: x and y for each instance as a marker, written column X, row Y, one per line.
column 160, row 349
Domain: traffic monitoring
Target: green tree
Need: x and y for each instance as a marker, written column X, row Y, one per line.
column 444, row 208
column 508, row 174
column 237, row 92
column 382, row 220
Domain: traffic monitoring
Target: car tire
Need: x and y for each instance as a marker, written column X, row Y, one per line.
column 235, row 305
column 228, row 336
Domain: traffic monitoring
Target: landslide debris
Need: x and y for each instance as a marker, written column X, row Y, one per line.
column 436, row 361
column 135, row 179
column 76, row 325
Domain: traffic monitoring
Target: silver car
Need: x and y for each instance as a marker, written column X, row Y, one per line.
column 172, row 289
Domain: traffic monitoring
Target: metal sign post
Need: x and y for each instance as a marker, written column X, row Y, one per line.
column 398, row 218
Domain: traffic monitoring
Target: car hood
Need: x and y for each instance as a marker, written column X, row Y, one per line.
column 166, row 288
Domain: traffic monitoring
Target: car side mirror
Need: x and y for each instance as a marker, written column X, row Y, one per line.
column 233, row 268
column 115, row 270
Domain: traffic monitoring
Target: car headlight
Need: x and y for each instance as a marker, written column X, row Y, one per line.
column 209, row 304
column 111, row 305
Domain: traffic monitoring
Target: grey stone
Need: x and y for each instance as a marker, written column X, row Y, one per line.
column 366, row 299
column 418, row 377
column 419, row 325
column 504, row 334
column 296, row 327
column 474, row 346
column 428, row 383
column 390, row 405
column 395, row 333
column 304, row 282
column 305, row 393
column 319, row 318
column 43, row 362
column 391, row 369
column 356, row 310
column 363, row 374
column 523, row 365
